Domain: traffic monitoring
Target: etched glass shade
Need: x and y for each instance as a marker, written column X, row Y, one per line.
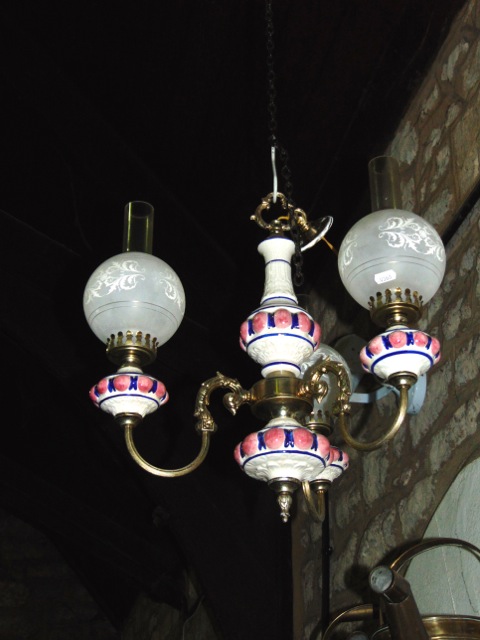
column 391, row 249
column 134, row 291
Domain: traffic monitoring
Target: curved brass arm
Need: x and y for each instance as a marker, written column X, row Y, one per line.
column 316, row 508
column 402, row 382
column 357, row 613
column 376, row 444
column 205, row 424
column 166, row 473
column 425, row 545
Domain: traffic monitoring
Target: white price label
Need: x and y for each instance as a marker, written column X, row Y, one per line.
column 385, row 276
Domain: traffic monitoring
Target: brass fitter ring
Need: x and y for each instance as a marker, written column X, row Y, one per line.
column 279, row 224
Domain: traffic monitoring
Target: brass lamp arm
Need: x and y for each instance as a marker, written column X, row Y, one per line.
column 357, row 613
column 166, row 473
column 376, row 444
column 401, row 561
column 316, row 508
column 205, row 424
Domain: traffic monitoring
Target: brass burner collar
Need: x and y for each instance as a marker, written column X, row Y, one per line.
column 396, row 307
column 319, row 426
column 402, row 379
column 132, row 349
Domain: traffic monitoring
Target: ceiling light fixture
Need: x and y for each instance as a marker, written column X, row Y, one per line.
column 134, row 302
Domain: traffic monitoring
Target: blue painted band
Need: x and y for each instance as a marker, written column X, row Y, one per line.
column 267, row 453
column 131, row 395
column 388, row 355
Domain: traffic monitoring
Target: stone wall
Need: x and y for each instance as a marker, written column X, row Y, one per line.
column 387, row 497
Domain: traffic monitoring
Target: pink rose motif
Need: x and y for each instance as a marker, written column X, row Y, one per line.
column 420, row 339
column 376, row 345
column 274, row 438
column 304, row 322
column 334, row 455
column 398, row 339
column 364, row 359
column 259, row 322
column 303, row 439
column 161, row 390
column 435, row 346
column 144, row 384
column 121, row 383
column 323, row 446
column 283, row 318
column 102, row 386
column 244, row 331
column 237, row 454
column 93, row 395
column 250, row 444
column 317, row 333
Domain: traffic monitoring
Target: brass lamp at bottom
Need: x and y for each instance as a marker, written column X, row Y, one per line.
column 401, row 620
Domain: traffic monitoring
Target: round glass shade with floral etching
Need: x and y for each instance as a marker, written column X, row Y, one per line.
column 137, row 292
column 391, row 249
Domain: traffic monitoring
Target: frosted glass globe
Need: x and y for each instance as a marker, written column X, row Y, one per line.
column 389, row 249
column 134, row 291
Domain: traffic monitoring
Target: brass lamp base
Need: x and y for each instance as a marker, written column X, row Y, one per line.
column 277, row 396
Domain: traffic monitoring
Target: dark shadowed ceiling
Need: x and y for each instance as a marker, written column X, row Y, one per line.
column 104, row 103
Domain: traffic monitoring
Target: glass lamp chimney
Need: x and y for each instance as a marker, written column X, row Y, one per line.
column 384, row 176
column 138, row 227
